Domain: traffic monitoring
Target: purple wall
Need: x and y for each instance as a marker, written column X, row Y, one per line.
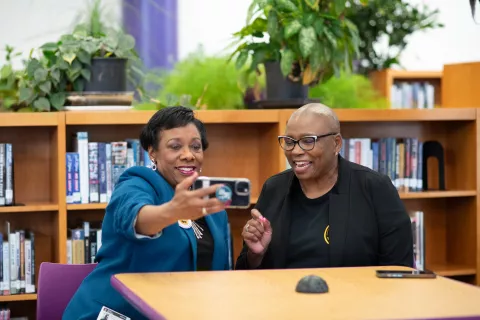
column 153, row 24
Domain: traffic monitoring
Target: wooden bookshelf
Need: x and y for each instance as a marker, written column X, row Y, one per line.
column 18, row 297
column 460, row 85
column 243, row 143
column 383, row 81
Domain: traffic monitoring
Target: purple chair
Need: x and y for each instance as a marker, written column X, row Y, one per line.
column 57, row 283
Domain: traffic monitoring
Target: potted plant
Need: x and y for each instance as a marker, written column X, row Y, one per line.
column 75, row 64
column 101, row 60
column 300, row 43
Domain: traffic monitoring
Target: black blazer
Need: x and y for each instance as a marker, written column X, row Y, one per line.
column 369, row 225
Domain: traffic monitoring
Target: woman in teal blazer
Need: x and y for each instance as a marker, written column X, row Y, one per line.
column 154, row 222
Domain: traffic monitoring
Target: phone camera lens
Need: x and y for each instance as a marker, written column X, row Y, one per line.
column 242, row 187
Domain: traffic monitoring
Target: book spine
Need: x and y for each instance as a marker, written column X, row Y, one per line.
column 102, row 171
column 93, row 245
column 2, row 175
column 69, row 162
column 9, row 174
column 108, row 165
column 86, row 242
column 76, row 195
column 93, row 172
column 6, row 268
column 81, row 146
column 21, row 240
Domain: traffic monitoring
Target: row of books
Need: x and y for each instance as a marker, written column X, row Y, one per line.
column 398, row 158
column 84, row 242
column 93, row 168
column 412, row 95
column 17, row 266
column 6, row 174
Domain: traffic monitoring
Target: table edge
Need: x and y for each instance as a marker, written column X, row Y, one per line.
column 136, row 301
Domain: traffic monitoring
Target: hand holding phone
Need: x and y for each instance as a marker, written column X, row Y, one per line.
column 417, row 274
column 234, row 192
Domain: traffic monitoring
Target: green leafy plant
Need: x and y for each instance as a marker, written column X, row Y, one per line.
column 198, row 81
column 42, row 86
column 9, row 81
column 311, row 39
column 394, row 20
column 349, row 91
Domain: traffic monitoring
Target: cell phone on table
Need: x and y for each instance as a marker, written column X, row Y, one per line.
column 417, row 274
column 235, row 192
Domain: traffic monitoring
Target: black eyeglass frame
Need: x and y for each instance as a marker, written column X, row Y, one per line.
column 297, row 141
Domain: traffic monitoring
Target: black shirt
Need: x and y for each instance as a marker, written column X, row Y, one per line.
column 308, row 246
column 204, row 246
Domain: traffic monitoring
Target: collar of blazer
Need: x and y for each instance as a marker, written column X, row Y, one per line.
column 339, row 211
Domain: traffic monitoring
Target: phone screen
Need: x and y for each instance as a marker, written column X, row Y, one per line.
column 405, row 274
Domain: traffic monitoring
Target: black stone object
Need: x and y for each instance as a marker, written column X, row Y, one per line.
column 312, row 284
column 435, row 150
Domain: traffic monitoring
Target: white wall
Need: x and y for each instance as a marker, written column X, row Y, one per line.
column 29, row 23
column 458, row 41
column 209, row 23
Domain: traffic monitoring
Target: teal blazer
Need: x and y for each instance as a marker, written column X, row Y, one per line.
column 123, row 251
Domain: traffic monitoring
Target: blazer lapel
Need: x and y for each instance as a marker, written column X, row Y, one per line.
column 339, row 211
column 281, row 231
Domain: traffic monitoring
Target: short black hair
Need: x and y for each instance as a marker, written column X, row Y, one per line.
column 170, row 118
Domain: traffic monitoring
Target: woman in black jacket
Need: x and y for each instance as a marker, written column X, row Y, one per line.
column 326, row 211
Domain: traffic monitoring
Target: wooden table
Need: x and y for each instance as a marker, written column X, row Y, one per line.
column 355, row 293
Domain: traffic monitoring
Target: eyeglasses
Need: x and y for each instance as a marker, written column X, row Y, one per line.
column 307, row 143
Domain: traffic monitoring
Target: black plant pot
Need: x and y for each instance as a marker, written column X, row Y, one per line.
column 280, row 88
column 281, row 92
column 107, row 75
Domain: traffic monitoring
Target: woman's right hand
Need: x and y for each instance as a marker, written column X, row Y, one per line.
column 191, row 204
column 257, row 233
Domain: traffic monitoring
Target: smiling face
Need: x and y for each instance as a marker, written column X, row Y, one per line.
column 179, row 153
column 315, row 163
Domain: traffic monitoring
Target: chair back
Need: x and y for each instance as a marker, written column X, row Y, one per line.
column 57, row 283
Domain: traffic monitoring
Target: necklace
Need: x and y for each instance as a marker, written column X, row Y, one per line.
column 197, row 229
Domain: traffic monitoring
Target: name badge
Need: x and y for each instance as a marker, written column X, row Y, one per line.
column 109, row 314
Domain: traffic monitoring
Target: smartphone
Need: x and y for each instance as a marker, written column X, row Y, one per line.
column 235, row 192
column 423, row 274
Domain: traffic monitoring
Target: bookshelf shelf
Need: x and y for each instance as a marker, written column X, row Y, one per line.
column 410, row 75
column 438, row 194
column 30, row 207
column 18, row 297
column 412, row 115
column 29, row 119
column 141, row 117
column 87, row 206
